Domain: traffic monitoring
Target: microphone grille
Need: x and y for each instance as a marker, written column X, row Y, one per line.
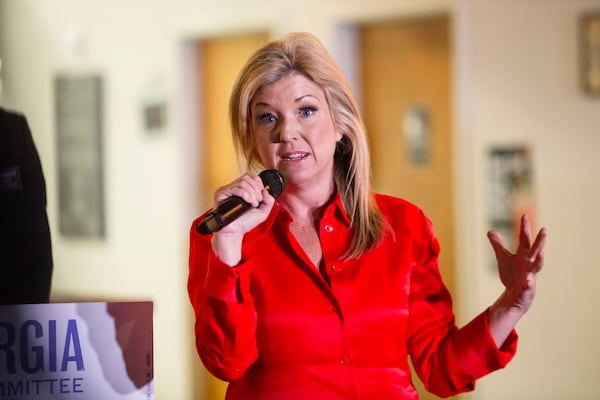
column 273, row 181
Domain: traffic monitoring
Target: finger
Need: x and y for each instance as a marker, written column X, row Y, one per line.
column 497, row 243
column 530, row 281
column 538, row 245
column 525, row 233
column 267, row 199
column 252, row 188
column 233, row 189
column 247, row 187
column 538, row 263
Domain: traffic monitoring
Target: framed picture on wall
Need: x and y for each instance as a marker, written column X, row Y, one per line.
column 589, row 37
column 510, row 190
column 80, row 158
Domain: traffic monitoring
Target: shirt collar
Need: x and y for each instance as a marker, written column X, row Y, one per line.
column 337, row 209
column 280, row 214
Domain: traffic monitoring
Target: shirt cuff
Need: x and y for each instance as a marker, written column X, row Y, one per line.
column 476, row 350
column 223, row 281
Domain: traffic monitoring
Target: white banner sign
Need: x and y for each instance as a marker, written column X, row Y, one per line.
column 79, row 351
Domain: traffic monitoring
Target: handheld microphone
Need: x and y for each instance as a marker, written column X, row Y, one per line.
column 234, row 206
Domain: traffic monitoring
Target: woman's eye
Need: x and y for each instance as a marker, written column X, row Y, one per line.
column 307, row 111
column 266, row 117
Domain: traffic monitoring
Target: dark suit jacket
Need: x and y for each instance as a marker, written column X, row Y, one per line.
column 25, row 246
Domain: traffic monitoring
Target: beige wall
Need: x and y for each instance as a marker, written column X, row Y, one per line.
column 516, row 81
column 519, row 84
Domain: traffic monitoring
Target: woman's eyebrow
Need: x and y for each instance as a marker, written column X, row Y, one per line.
column 304, row 96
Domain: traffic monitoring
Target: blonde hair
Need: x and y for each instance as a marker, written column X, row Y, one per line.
column 304, row 54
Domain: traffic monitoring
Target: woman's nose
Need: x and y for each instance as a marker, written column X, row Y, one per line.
column 287, row 130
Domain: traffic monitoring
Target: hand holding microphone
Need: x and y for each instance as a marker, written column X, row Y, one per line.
column 233, row 207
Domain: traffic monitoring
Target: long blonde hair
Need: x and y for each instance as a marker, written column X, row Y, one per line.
column 304, row 54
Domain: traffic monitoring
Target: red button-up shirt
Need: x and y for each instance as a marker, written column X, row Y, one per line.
column 277, row 329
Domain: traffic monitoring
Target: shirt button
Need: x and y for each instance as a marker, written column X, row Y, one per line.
column 344, row 360
column 334, row 268
column 328, row 228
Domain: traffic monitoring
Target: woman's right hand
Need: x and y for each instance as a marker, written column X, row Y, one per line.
column 227, row 242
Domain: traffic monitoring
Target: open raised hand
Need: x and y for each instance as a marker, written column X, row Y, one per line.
column 518, row 271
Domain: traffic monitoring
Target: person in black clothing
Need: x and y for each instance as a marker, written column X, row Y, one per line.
column 25, row 246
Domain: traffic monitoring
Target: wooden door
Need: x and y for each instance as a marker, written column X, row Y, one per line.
column 406, row 71
column 219, row 61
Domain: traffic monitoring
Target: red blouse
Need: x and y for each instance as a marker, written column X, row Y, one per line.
column 277, row 330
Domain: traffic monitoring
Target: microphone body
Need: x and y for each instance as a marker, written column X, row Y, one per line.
column 234, row 206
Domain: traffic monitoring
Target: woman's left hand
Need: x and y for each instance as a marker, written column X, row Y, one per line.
column 518, row 271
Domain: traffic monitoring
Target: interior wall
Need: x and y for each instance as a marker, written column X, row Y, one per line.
column 515, row 80
column 518, row 83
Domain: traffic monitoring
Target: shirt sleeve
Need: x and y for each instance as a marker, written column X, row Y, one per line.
column 225, row 318
column 448, row 360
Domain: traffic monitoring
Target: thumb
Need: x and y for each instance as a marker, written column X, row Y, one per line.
column 497, row 243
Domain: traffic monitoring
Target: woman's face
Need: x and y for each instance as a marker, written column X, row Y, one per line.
column 294, row 130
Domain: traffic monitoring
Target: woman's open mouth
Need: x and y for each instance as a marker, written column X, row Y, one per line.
column 294, row 156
